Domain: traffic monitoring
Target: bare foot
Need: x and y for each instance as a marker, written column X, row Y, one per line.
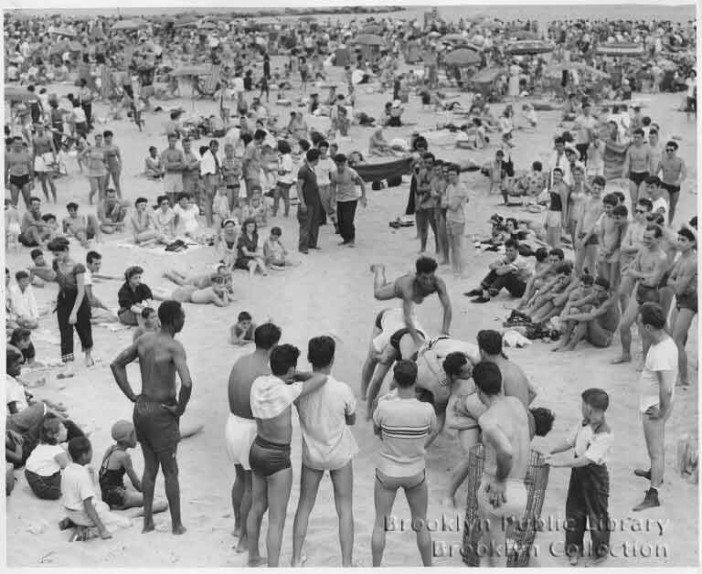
column 256, row 562
column 557, row 349
column 149, row 526
column 179, row 529
column 622, row 359
column 300, row 562
column 242, row 546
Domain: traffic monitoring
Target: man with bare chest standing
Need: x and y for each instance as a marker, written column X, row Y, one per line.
column 157, row 412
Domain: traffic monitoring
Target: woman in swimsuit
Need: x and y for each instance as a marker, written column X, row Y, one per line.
column 227, row 242
column 248, row 256
column 44, row 159
column 19, row 172
column 215, row 294
column 94, row 157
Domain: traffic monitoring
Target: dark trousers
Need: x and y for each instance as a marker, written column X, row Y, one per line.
column 587, row 501
column 345, row 213
column 88, row 109
column 64, row 306
column 582, row 150
column 309, row 225
column 510, row 281
column 425, row 219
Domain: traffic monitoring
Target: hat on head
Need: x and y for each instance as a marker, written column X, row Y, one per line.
column 121, row 430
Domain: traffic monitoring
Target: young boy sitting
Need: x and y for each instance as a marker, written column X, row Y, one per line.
column 115, row 464
column 83, row 507
column 275, row 255
column 242, row 332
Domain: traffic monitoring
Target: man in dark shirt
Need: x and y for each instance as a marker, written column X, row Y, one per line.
column 240, row 430
column 310, row 208
column 133, row 296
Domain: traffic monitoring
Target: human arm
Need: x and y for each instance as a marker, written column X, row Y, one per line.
column 62, row 459
column 683, row 278
column 80, row 284
column 313, row 383
column 494, row 436
column 436, row 429
column 186, row 383
column 362, row 185
column 597, row 312
column 126, row 461
column 300, row 195
column 446, row 304
column 119, row 370
column 666, row 381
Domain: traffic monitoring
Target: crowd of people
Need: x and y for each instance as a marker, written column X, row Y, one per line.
column 596, row 262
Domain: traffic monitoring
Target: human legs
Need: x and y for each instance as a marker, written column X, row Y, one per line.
column 148, row 484
column 382, row 290
column 418, row 499
column 654, row 434
column 377, row 382
column 309, row 485
column 304, row 219
column 681, row 322
column 346, row 213
column 384, row 499
column 94, row 187
column 342, row 480
column 369, row 364
column 441, row 226
column 279, row 486
column 455, row 232
column 422, row 216
column 468, row 439
column 259, row 504
column 627, row 321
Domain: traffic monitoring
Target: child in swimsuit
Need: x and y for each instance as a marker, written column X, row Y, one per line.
column 242, row 333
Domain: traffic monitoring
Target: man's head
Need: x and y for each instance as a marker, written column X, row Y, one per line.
column 340, row 160
column 453, row 173
column 556, row 255
column 140, row 203
column 22, row 278
column 425, row 269
column 511, row 249
column 244, row 320
column 457, row 366
column 671, row 147
column 37, row 256
column 559, row 144
column 13, row 362
column 81, row 450
column 609, row 202
column 686, row 240
column 638, row 136
column 259, row 136
column 653, row 186
column 489, row 343
column 172, row 140
column 488, row 380
column 320, row 352
column 72, row 209
column 595, row 404
column 267, row 336
column 557, row 175
column 543, row 420
column 652, row 236
column 405, row 374
column 283, row 361
column 35, row 204
column 644, row 206
column 110, row 194
column 598, row 184
column 620, row 214
column 171, row 316
column 312, row 156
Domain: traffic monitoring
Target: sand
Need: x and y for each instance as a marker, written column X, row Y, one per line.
column 332, row 293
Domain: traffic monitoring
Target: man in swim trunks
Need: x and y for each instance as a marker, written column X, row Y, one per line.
column 412, row 289
column 392, row 341
column 156, row 410
column 111, row 212
column 636, row 163
column 672, row 172
column 215, row 294
column 35, row 232
column 240, row 430
column 647, row 270
column 683, row 279
column 80, row 226
column 596, row 325
column 44, row 157
column 272, row 397
column 200, row 280
column 502, row 493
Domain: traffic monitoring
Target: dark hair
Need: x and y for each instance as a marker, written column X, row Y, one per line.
column 140, row 200
column 266, row 336
column 693, row 222
column 146, row 312
column 490, row 341
column 646, row 202
column 657, row 231
column 107, row 134
column 340, row 158
column 72, row 205
column 78, row 446
column 596, row 398
column 453, row 168
column 428, row 155
column 312, row 154
column 511, row 243
column 425, row 265
column 21, row 275
column 284, row 147
column 620, row 210
column 652, row 314
column 48, row 217
column 12, row 356
column 453, row 363
column 599, row 180
column 323, row 143
column 244, row 316
column 131, row 271
column 304, row 144
column 34, row 253
column 276, row 231
column 541, row 254
column 602, row 282
column 558, row 252
column 653, row 180
column 92, row 256
column 543, row 420
column 169, row 312
column 50, row 429
column 33, row 199
column 260, row 135
column 610, row 199
column 19, row 334
column 537, row 166
column 283, row 357
column 558, row 140
column 488, row 378
column 639, row 132
column 687, row 234
column 672, row 144
column 320, row 351
column 405, row 373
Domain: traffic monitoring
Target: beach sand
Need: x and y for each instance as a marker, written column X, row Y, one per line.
column 332, row 293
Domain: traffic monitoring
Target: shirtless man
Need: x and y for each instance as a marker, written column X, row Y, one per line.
column 555, row 257
column 611, row 232
column 586, row 229
column 113, row 161
column 272, row 397
column 647, row 270
column 44, row 158
column 412, row 289
column 390, row 341
column 111, row 212
column 636, row 163
column 683, row 279
column 156, row 410
column 201, row 280
column 143, row 226
column 79, row 226
column 215, row 294
column 672, row 172
column 631, row 244
column 240, row 430
column 35, row 231
column 502, row 494
column 597, row 325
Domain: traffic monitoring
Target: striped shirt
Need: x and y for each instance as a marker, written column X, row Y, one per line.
column 405, row 425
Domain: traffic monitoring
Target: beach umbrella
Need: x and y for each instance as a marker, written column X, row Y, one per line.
column 192, row 70
column 529, row 47
column 372, row 29
column 620, row 49
column 18, row 94
column 369, row 40
column 488, row 75
column 129, row 24
column 462, row 57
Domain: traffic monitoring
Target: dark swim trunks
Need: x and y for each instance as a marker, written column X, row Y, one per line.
column 379, row 319
column 638, row 177
column 397, row 337
column 156, row 427
column 267, row 458
column 671, row 189
column 645, row 294
column 687, row 301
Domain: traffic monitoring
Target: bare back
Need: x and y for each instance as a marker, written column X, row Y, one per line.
column 156, row 352
column 244, row 372
column 509, row 417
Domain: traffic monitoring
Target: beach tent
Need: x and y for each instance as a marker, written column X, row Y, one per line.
column 342, row 57
column 529, row 47
column 462, row 57
column 620, row 49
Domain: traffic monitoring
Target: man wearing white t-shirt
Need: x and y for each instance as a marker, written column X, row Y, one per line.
column 327, row 445
column 656, row 396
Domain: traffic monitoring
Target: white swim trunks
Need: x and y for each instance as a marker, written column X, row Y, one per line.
column 240, row 434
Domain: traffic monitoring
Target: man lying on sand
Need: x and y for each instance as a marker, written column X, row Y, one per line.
column 412, row 289
column 216, row 294
column 200, row 280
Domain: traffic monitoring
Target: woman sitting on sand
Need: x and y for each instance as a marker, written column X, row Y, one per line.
column 133, row 296
column 164, row 218
column 248, row 256
column 227, row 242
column 143, row 225
column 187, row 214
column 378, row 145
column 297, row 126
column 216, row 294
